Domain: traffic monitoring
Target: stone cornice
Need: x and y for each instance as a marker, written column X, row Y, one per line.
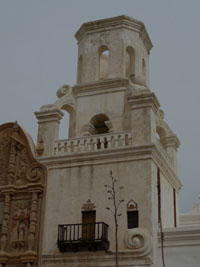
column 98, row 157
column 171, row 140
column 115, row 23
column 181, row 236
column 49, row 113
column 113, row 155
column 147, row 99
column 12, row 189
column 104, row 259
column 100, row 87
column 189, row 219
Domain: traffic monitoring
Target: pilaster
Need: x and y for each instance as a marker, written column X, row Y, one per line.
column 48, row 127
column 171, row 143
column 144, row 107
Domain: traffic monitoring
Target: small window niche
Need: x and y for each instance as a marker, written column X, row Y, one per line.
column 132, row 215
column 130, row 62
column 103, row 62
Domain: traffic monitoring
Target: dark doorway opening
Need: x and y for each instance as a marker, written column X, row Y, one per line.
column 88, row 228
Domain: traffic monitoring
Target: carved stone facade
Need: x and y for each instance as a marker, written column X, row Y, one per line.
column 22, row 185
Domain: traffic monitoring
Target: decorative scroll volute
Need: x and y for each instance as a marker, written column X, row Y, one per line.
column 22, row 185
column 17, row 164
column 138, row 240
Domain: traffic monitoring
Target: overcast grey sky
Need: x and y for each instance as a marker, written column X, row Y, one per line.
column 38, row 54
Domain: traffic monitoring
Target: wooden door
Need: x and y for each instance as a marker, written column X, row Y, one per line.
column 88, row 220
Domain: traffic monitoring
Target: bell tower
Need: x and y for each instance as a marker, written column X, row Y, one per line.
column 113, row 61
column 113, row 48
column 116, row 124
column 110, row 53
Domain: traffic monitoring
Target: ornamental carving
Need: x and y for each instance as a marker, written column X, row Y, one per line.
column 20, row 224
column 88, row 205
column 139, row 240
column 4, row 154
column 35, row 172
column 22, row 185
column 16, row 165
column 63, row 90
column 132, row 205
column 66, row 99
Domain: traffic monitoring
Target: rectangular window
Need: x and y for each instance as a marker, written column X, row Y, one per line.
column 132, row 219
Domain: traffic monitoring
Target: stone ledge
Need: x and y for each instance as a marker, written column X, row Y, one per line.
column 94, row 259
column 115, row 155
column 189, row 220
column 100, row 87
column 144, row 100
column 181, row 236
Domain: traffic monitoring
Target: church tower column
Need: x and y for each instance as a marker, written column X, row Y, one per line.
column 48, row 128
column 171, row 144
column 143, row 122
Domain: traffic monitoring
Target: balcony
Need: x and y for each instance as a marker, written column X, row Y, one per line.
column 93, row 143
column 83, row 237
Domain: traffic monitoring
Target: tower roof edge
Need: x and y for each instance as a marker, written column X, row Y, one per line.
column 122, row 21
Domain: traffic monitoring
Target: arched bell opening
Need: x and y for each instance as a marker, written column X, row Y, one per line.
column 144, row 68
column 99, row 124
column 67, row 124
column 80, row 67
column 103, row 62
column 160, row 134
column 130, row 62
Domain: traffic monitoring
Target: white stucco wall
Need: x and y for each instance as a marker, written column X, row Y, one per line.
column 69, row 188
column 167, row 204
column 182, row 256
column 181, row 247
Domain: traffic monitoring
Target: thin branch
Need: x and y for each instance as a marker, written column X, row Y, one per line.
column 116, row 204
column 120, row 202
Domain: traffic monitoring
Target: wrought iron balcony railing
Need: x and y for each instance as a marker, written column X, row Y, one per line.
column 80, row 237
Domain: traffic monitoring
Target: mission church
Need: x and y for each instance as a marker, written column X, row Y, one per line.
column 53, row 200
